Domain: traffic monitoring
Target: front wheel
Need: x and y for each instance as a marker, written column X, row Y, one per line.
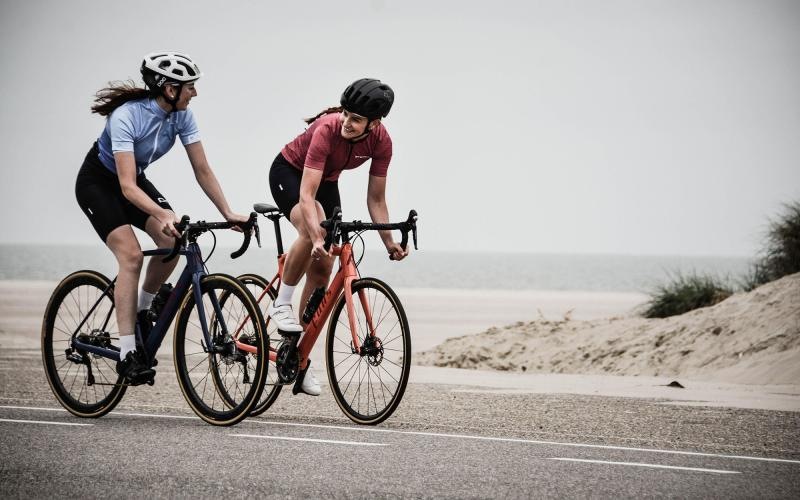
column 221, row 383
column 369, row 383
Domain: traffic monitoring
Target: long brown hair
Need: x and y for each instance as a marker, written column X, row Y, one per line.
column 337, row 109
column 107, row 99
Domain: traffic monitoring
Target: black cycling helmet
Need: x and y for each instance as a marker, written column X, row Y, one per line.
column 368, row 97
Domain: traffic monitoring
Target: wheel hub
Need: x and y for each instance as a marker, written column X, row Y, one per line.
column 372, row 349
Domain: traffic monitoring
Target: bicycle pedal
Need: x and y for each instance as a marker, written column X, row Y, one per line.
column 289, row 335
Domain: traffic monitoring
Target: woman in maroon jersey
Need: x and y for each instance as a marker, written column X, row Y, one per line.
column 303, row 180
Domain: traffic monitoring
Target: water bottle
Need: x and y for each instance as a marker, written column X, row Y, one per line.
column 158, row 301
column 313, row 304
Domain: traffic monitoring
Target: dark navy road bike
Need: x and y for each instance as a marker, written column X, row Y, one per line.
column 220, row 382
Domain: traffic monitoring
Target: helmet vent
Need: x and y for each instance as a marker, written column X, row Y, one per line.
column 188, row 69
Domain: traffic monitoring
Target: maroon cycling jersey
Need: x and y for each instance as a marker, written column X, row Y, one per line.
column 322, row 147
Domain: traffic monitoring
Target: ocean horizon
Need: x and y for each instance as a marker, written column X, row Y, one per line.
column 423, row 269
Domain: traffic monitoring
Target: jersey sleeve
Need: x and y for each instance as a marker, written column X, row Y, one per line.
column 318, row 149
column 121, row 130
column 382, row 157
column 187, row 128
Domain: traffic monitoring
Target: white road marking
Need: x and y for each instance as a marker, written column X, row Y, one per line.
column 31, row 408
column 530, row 441
column 285, row 438
column 123, row 414
column 46, row 422
column 457, row 436
column 639, row 464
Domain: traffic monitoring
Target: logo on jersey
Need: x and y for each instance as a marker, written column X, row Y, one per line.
column 357, row 157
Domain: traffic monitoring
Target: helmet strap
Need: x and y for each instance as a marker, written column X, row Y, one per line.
column 362, row 136
column 174, row 101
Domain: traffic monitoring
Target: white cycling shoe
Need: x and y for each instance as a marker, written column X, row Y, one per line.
column 284, row 318
column 310, row 384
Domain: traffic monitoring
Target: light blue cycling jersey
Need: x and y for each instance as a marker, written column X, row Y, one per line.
column 143, row 127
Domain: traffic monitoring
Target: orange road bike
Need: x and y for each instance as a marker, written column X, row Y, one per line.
column 368, row 348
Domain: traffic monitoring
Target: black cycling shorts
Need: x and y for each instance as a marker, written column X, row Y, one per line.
column 100, row 197
column 284, row 182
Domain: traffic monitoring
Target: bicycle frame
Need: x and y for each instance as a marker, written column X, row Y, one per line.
column 192, row 273
column 342, row 282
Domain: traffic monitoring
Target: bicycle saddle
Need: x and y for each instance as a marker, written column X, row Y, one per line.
column 265, row 208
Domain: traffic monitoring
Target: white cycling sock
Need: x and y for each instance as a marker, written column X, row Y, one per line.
column 145, row 299
column 127, row 343
column 284, row 295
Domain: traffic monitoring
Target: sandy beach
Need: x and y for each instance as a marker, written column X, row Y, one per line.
column 750, row 338
column 450, row 325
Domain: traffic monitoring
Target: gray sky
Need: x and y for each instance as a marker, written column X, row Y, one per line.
column 635, row 127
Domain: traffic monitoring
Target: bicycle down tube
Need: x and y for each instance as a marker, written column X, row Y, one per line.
column 342, row 280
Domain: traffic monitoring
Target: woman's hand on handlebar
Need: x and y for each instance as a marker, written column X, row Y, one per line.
column 318, row 249
column 166, row 222
column 396, row 251
column 238, row 219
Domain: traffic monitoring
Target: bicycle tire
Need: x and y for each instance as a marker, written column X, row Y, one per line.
column 386, row 369
column 256, row 285
column 228, row 399
column 69, row 304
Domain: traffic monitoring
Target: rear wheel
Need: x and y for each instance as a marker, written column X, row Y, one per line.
column 86, row 384
column 221, row 383
column 368, row 385
column 257, row 285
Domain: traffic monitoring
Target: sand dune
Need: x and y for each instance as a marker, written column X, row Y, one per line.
column 750, row 338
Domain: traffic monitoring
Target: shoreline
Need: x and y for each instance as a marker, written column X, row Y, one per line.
column 440, row 314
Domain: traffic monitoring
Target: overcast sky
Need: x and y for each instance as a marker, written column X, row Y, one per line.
column 587, row 126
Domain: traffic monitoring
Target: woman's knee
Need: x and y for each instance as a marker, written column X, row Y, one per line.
column 319, row 272
column 130, row 260
column 125, row 247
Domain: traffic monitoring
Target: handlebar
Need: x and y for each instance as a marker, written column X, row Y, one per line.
column 190, row 231
column 337, row 229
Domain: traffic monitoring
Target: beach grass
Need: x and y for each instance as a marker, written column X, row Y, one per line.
column 685, row 293
column 781, row 253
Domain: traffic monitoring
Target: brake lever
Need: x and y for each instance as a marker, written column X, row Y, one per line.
column 179, row 242
column 247, row 230
column 412, row 219
column 331, row 225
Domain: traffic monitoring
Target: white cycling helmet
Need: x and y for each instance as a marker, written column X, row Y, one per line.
column 159, row 68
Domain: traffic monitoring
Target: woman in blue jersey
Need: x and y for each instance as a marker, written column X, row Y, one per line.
column 113, row 192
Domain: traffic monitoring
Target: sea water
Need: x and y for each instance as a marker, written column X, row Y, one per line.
column 423, row 269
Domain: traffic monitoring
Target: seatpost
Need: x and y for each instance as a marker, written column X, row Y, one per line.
column 278, row 239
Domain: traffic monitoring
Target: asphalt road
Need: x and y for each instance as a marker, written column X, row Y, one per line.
column 444, row 441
